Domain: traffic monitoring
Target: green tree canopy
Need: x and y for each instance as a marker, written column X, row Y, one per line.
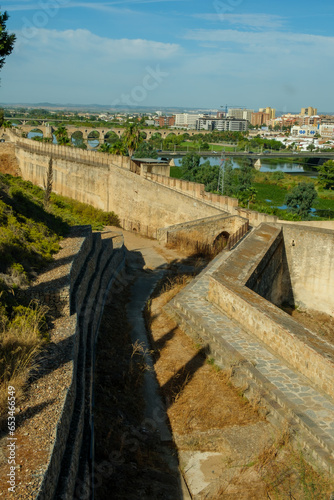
column 301, row 198
column 326, row 174
column 190, row 166
column 229, row 181
column 116, row 148
column 245, row 176
column 193, row 170
column 6, row 40
column 146, row 150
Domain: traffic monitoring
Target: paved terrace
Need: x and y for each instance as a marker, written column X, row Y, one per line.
column 286, row 394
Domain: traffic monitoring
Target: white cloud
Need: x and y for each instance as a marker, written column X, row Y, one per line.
column 266, row 21
column 271, row 41
column 69, row 4
column 78, row 66
column 86, row 44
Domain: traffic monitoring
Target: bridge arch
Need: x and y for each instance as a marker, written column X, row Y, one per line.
column 110, row 137
column 155, row 135
column 77, row 139
column 35, row 131
column 93, row 139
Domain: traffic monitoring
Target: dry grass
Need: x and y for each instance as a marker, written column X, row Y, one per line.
column 192, row 246
column 190, row 382
column 286, row 473
column 20, row 341
column 188, row 379
column 319, row 322
column 173, row 285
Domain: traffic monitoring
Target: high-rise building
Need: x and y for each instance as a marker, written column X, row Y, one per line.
column 241, row 114
column 186, row 120
column 222, row 124
column 260, row 118
column 269, row 111
column 308, row 111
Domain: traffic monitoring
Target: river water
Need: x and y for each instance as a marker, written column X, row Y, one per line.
column 93, row 143
column 289, row 168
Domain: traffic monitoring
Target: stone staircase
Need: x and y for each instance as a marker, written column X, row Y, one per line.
column 286, row 397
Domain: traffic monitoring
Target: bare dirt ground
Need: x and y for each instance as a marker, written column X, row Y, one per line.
column 320, row 323
column 226, row 448
column 8, row 161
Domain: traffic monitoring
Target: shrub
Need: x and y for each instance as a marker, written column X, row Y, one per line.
column 21, row 338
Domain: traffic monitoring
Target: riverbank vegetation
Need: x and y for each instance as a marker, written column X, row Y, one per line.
column 29, row 237
column 266, row 192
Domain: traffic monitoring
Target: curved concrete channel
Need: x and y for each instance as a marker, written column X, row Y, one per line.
column 146, row 267
column 155, row 411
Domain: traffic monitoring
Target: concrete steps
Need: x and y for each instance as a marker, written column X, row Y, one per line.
column 287, row 395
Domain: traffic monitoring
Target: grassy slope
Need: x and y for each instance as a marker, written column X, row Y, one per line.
column 29, row 236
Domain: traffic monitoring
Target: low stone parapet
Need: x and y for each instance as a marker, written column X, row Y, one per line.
column 229, row 290
column 205, row 234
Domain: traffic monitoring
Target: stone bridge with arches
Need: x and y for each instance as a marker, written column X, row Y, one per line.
column 101, row 133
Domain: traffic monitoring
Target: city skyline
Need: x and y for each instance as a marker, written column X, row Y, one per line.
column 167, row 53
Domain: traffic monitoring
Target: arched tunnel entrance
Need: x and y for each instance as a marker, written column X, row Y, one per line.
column 220, row 241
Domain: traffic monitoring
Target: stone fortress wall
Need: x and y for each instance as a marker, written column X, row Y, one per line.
column 144, row 201
column 273, row 264
column 233, row 310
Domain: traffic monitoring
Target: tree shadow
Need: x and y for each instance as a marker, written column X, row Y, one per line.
column 27, row 414
column 161, row 343
column 22, row 204
column 176, row 384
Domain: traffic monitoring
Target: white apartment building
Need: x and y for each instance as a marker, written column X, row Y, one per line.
column 222, row 124
column 326, row 130
column 241, row 114
column 304, row 131
column 186, row 120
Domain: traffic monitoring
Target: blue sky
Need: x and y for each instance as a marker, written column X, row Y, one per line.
column 171, row 53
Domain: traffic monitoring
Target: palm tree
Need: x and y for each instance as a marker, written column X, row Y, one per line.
column 117, row 148
column 132, row 137
column 7, row 124
column 62, row 136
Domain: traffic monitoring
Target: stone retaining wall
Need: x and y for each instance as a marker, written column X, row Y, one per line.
column 224, row 203
column 310, row 259
column 92, row 272
column 204, row 233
